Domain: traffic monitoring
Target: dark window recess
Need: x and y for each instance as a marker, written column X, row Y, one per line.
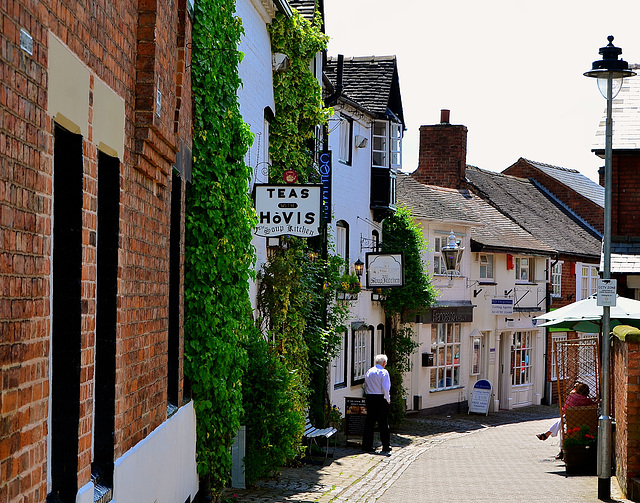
column 106, row 318
column 186, row 382
column 66, row 313
column 382, row 193
column 173, row 377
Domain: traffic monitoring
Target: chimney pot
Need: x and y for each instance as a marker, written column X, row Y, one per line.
column 444, row 116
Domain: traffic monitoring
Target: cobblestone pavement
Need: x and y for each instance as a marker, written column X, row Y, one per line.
column 353, row 476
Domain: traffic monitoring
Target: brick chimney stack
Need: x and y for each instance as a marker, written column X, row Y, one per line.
column 442, row 159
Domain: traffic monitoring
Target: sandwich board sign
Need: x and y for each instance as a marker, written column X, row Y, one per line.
column 480, row 397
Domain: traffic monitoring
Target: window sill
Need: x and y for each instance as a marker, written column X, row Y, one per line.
column 438, row 390
column 341, row 385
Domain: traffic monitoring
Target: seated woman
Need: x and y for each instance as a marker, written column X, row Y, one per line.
column 578, row 397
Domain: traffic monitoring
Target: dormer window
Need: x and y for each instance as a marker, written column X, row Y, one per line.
column 387, row 145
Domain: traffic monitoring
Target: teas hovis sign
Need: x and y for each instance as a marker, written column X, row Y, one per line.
column 288, row 210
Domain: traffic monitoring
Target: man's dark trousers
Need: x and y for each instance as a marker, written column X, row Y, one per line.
column 377, row 411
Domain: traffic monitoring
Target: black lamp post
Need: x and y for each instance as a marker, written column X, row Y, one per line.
column 610, row 71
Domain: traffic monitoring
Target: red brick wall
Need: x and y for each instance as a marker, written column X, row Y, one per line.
column 626, row 410
column 442, row 158
column 625, row 217
column 25, row 267
column 583, row 206
column 122, row 47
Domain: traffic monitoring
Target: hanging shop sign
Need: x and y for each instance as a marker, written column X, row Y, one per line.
column 292, row 210
column 384, row 270
column 501, row 306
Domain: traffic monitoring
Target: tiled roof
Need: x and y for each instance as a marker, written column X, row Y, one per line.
column 536, row 211
column 574, row 180
column 489, row 227
column 625, row 114
column 306, row 8
column 370, row 81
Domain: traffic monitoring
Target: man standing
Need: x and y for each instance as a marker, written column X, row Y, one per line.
column 377, row 386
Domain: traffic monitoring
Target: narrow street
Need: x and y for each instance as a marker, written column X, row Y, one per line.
column 470, row 458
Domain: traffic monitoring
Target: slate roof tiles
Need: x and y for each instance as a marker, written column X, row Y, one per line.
column 574, row 180
column 368, row 81
column 536, row 211
column 490, row 228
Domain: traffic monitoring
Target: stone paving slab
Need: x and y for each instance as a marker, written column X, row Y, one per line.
column 470, row 458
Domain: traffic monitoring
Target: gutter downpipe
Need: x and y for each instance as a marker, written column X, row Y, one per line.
column 548, row 391
column 284, row 7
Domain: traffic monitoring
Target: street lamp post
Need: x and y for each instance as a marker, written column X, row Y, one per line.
column 610, row 71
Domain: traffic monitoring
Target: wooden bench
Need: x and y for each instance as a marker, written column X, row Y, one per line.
column 313, row 434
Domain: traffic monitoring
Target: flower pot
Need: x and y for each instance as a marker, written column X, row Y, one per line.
column 580, row 459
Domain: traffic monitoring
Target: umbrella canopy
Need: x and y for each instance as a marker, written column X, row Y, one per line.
column 586, row 316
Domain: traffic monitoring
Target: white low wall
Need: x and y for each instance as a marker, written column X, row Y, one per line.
column 162, row 467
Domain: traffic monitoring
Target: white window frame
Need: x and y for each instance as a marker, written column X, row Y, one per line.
column 555, row 338
column 380, row 145
column 521, row 354
column 556, row 280
column 395, row 146
column 361, row 337
column 476, row 354
column 586, row 280
column 345, row 148
column 439, row 267
column 486, row 261
column 342, row 240
column 340, row 362
column 445, row 347
column 520, row 268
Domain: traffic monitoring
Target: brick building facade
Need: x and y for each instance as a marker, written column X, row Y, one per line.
column 96, row 136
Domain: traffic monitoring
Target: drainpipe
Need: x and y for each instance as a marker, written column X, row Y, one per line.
column 548, row 392
column 284, row 7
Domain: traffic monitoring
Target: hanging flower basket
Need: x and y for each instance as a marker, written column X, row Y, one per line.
column 349, row 286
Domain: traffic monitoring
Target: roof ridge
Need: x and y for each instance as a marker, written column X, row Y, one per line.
column 497, row 173
column 373, row 57
column 561, row 168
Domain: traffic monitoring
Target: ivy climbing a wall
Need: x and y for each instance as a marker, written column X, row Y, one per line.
column 298, row 97
column 219, row 257
column 401, row 235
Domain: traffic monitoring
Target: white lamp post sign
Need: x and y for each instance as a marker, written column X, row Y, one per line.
column 292, row 210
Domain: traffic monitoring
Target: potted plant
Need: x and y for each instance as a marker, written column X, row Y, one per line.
column 580, row 451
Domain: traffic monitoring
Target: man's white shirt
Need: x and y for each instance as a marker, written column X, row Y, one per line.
column 377, row 382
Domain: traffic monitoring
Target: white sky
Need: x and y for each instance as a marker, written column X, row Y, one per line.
column 509, row 70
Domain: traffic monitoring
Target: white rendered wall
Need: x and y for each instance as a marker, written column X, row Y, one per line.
column 162, row 467
column 350, row 201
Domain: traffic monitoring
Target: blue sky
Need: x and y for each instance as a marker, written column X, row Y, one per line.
column 508, row 70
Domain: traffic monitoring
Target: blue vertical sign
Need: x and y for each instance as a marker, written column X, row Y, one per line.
column 325, row 180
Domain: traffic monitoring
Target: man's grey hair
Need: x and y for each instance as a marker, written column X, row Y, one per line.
column 380, row 359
